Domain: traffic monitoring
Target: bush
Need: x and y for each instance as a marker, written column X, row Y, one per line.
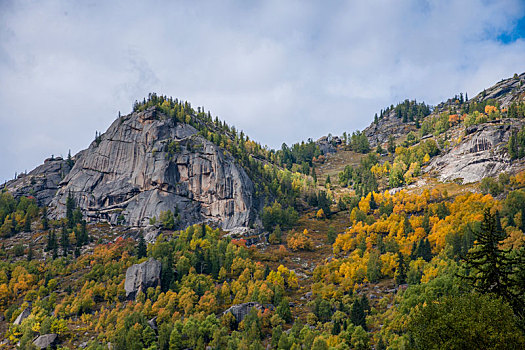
column 489, row 185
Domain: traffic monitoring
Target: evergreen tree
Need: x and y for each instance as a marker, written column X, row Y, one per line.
column 373, row 204
column 426, row 222
column 391, row 147
column 142, row 249
column 30, row 253
column 70, row 207
column 64, row 240
column 357, row 314
column 492, row 269
column 283, row 310
column 27, row 223
column 401, row 271
column 51, row 241
column 45, row 220
column 331, row 235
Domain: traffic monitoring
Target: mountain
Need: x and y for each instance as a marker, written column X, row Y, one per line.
column 146, row 164
column 173, row 230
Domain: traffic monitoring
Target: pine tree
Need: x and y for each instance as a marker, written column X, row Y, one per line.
column 30, row 253
column 70, row 207
column 45, row 220
column 27, row 223
column 373, row 204
column 142, row 249
column 391, row 147
column 401, row 271
column 51, row 241
column 64, row 240
column 426, row 223
column 357, row 314
column 492, row 269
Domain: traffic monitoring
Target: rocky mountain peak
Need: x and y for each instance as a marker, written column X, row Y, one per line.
column 147, row 163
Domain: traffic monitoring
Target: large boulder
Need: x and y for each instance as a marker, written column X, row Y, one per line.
column 146, row 163
column 240, row 311
column 140, row 277
column 23, row 315
column 45, row 341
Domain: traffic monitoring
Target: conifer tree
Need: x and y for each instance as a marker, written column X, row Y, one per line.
column 401, row 271
column 27, row 223
column 493, row 269
column 142, row 250
column 70, row 207
column 357, row 314
column 64, row 240
column 45, row 220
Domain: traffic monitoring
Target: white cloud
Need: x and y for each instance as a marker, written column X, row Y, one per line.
column 282, row 71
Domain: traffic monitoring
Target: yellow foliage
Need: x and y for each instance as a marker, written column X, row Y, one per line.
column 490, row 109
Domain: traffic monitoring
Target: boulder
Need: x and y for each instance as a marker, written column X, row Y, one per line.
column 140, row 277
column 45, row 341
column 240, row 311
column 23, row 315
column 153, row 323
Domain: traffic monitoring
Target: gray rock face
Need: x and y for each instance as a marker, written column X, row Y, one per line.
column 145, row 164
column 481, row 153
column 45, row 341
column 240, row 311
column 140, row 277
column 505, row 91
column 389, row 125
column 23, row 315
column 329, row 144
column 42, row 182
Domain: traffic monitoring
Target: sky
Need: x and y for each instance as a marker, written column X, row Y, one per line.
column 282, row 71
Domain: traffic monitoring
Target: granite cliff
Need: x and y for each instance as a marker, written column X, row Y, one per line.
column 144, row 164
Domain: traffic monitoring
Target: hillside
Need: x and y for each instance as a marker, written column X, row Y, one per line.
column 174, row 230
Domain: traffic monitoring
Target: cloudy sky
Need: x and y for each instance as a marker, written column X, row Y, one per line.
column 282, row 71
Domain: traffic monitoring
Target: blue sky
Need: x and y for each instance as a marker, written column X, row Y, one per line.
column 282, row 71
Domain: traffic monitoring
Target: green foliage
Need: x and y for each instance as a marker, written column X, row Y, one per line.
column 361, row 177
column 490, row 185
column 516, row 144
column 275, row 215
column 470, row 321
column 492, row 269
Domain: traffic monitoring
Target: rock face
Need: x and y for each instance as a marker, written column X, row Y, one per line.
column 140, row 277
column 25, row 314
column 389, row 125
column 506, row 91
column 240, row 311
column 45, row 341
column 481, row 153
column 42, row 182
column 145, row 164
column 329, row 144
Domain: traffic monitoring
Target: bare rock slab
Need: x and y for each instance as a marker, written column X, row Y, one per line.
column 140, row 277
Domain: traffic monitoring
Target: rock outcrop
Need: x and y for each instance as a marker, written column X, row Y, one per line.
column 240, row 311
column 23, row 315
column 42, row 182
column 45, row 341
column 329, row 144
column 140, row 277
column 506, row 91
column 146, row 163
column 389, row 125
column 481, row 153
